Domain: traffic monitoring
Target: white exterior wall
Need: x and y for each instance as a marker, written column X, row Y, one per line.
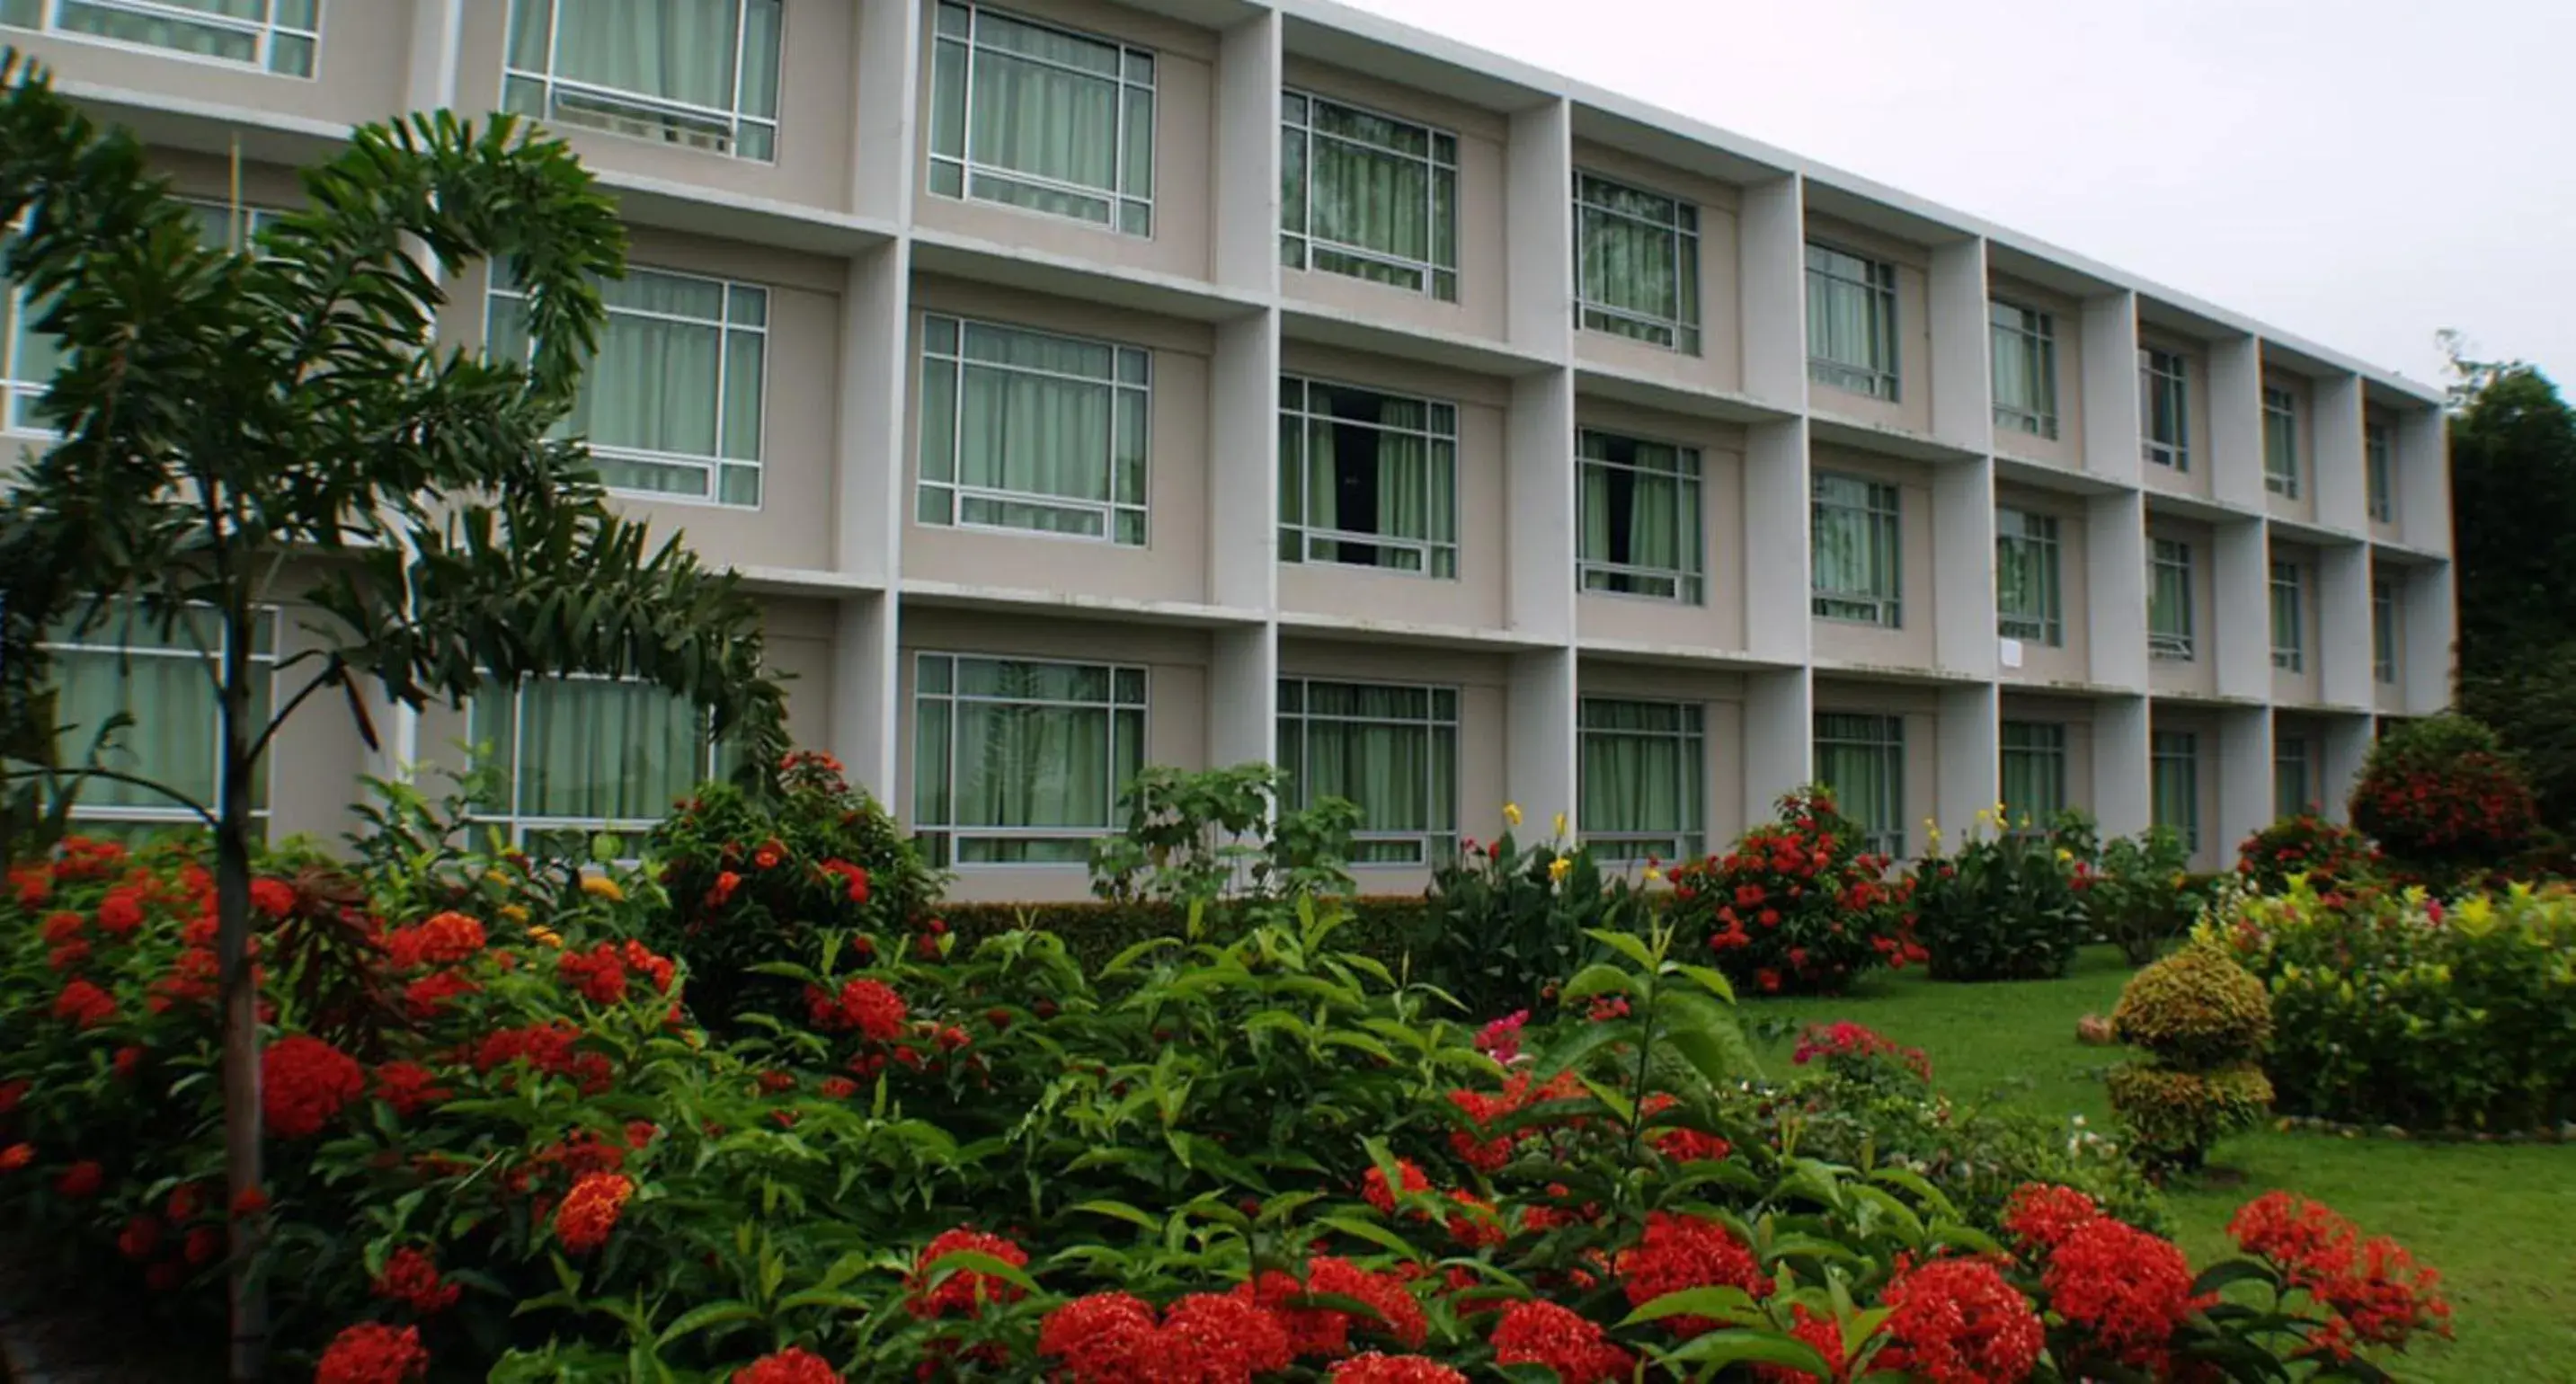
column 859, row 99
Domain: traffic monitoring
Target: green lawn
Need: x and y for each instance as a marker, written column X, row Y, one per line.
column 2499, row 1222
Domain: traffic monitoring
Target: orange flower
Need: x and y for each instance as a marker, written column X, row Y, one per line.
column 590, row 1211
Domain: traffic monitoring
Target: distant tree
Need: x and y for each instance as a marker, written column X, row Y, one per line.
column 240, row 425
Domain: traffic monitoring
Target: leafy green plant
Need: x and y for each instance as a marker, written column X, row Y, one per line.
column 2006, row 906
column 2203, row 1022
column 2331, row 855
column 2140, row 893
column 1801, row 903
column 1505, row 923
column 1218, row 836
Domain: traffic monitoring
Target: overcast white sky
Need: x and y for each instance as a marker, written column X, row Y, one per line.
column 2359, row 172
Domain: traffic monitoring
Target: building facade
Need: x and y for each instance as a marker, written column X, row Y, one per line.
column 1084, row 385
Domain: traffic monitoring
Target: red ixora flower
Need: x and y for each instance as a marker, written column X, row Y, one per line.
column 304, row 1083
column 2129, row 1288
column 272, row 897
column 591, row 1209
column 120, row 911
column 141, row 1236
column 374, row 1353
column 443, row 939
column 16, row 1156
column 854, row 880
column 1956, row 1321
column 411, row 1278
column 1374, row 1368
column 84, row 1004
column 1819, row 1331
column 795, row 1365
column 2041, row 1215
column 769, row 855
column 964, row 1292
column 81, row 1181
column 869, row 1006
column 1679, row 1252
column 1101, row 1339
column 598, row 974
column 1542, row 1333
column 1220, row 1339
column 409, row 1087
column 1374, row 1188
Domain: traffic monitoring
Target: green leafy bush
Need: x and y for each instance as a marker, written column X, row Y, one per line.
column 2448, row 807
column 1505, row 924
column 2006, row 907
column 2332, row 856
column 2394, row 1009
column 2203, row 1022
column 1801, row 903
column 2140, row 894
column 1215, row 835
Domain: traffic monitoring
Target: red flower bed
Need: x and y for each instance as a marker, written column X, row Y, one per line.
column 1800, row 904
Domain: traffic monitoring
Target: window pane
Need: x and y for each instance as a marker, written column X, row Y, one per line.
column 1379, row 191
column 1642, row 768
column 602, row 751
column 702, row 73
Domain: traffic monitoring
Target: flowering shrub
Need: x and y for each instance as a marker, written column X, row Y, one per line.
column 2334, row 857
column 2392, row 1008
column 2008, row 906
column 1504, row 923
column 2203, row 1021
column 2140, row 893
column 753, row 881
column 2444, row 802
column 1799, row 904
column 1230, row 1161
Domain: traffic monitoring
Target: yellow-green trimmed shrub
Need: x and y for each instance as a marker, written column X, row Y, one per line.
column 2203, row 1022
column 2173, row 1117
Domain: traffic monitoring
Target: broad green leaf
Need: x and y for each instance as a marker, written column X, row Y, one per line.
column 1597, row 979
column 1751, row 1347
column 1721, row 1303
column 704, row 1315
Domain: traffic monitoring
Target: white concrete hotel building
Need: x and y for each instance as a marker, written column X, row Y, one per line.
column 1084, row 384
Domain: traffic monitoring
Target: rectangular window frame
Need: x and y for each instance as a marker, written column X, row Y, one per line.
column 1596, row 200
column 2173, row 773
column 2280, row 442
column 2174, row 643
column 2289, row 595
column 1123, row 523
column 2031, row 335
column 1832, row 269
column 1434, row 554
column 1300, row 248
column 1685, row 584
column 1881, row 735
column 944, row 843
column 88, row 644
column 2164, row 408
column 1879, row 510
column 2383, row 630
column 523, row 827
column 732, row 482
column 2037, row 748
column 1127, row 206
column 737, row 129
column 1372, row 846
column 286, row 37
column 2379, row 468
column 2021, row 529
column 1688, row 739
column 2291, row 770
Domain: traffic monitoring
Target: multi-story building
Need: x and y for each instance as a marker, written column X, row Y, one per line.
column 1200, row 381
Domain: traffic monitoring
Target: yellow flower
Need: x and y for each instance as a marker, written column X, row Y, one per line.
column 1511, row 814
column 602, row 887
column 548, row 937
column 1558, row 868
column 514, row 913
column 2064, row 855
column 1985, row 818
column 1653, row 875
column 2180, row 879
column 1560, row 825
column 497, row 876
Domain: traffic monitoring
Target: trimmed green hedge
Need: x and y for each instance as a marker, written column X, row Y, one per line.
column 1095, row 931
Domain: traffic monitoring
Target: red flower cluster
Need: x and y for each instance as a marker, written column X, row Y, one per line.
column 425, row 997
column 120, row 911
column 1374, row 1188
column 1325, row 1332
column 80, row 1181
column 2474, row 804
column 84, row 1004
column 17, row 1156
column 1679, row 1252
column 1501, row 1039
column 854, row 879
column 869, row 1007
column 2375, row 1292
column 1206, row 1338
column 1821, row 1332
column 546, row 1047
column 273, row 898
column 964, row 1292
column 373, row 1353
column 1374, row 1368
column 1956, row 1321
column 141, row 1236
column 600, row 973
column 793, row 1366
column 1484, row 1108
column 1798, row 903
column 1845, row 1040
column 1691, row 1146
column 2040, row 1215
column 2128, row 1288
column 444, row 939
column 1542, row 1333
column 304, row 1084
column 411, row 1278
column 591, row 1209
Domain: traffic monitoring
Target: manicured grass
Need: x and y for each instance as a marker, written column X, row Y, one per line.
column 2498, row 1221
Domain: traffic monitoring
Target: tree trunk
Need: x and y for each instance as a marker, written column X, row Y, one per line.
column 249, row 1299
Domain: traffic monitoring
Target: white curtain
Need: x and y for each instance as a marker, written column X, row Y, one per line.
column 674, row 50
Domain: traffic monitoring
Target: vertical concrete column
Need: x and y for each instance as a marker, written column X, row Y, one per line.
column 2244, row 779
column 1966, row 778
column 1777, row 527
column 2347, row 745
column 1773, row 299
column 1539, row 506
column 865, row 680
column 2123, row 782
column 1247, row 155
column 1963, row 567
column 430, row 75
column 876, row 339
column 1243, row 464
column 2343, row 634
column 2115, row 589
column 2343, row 477
column 886, row 89
column 2110, row 386
column 2427, row 647
column 1539, row 767
column 1538, row 205
column 2236, row 422
column 2423, row 480
column 1779, row 737
column 2240, row 580
column 1963, row 408
column 1243, row 695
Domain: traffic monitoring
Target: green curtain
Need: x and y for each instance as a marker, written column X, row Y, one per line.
column 34, row 359
column 1046, row 104
column 2286, row 642
column 172, row 736
column 656, row 383
column 1036, row 433
column 1374, row 746
column 2169, row 592
column 1632, row 260
column 1850, row 320
column 1036, row 745
column 2290, row 778
column 171, row 32
column 594, row 750
column 1854, row 540
column 2026, row 592
column 669, row 50
column 1368, row 196
column 2175, row 784
column 1403, row 486
column 1641, row 775
column 1862, row 759
column 2034, row 773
